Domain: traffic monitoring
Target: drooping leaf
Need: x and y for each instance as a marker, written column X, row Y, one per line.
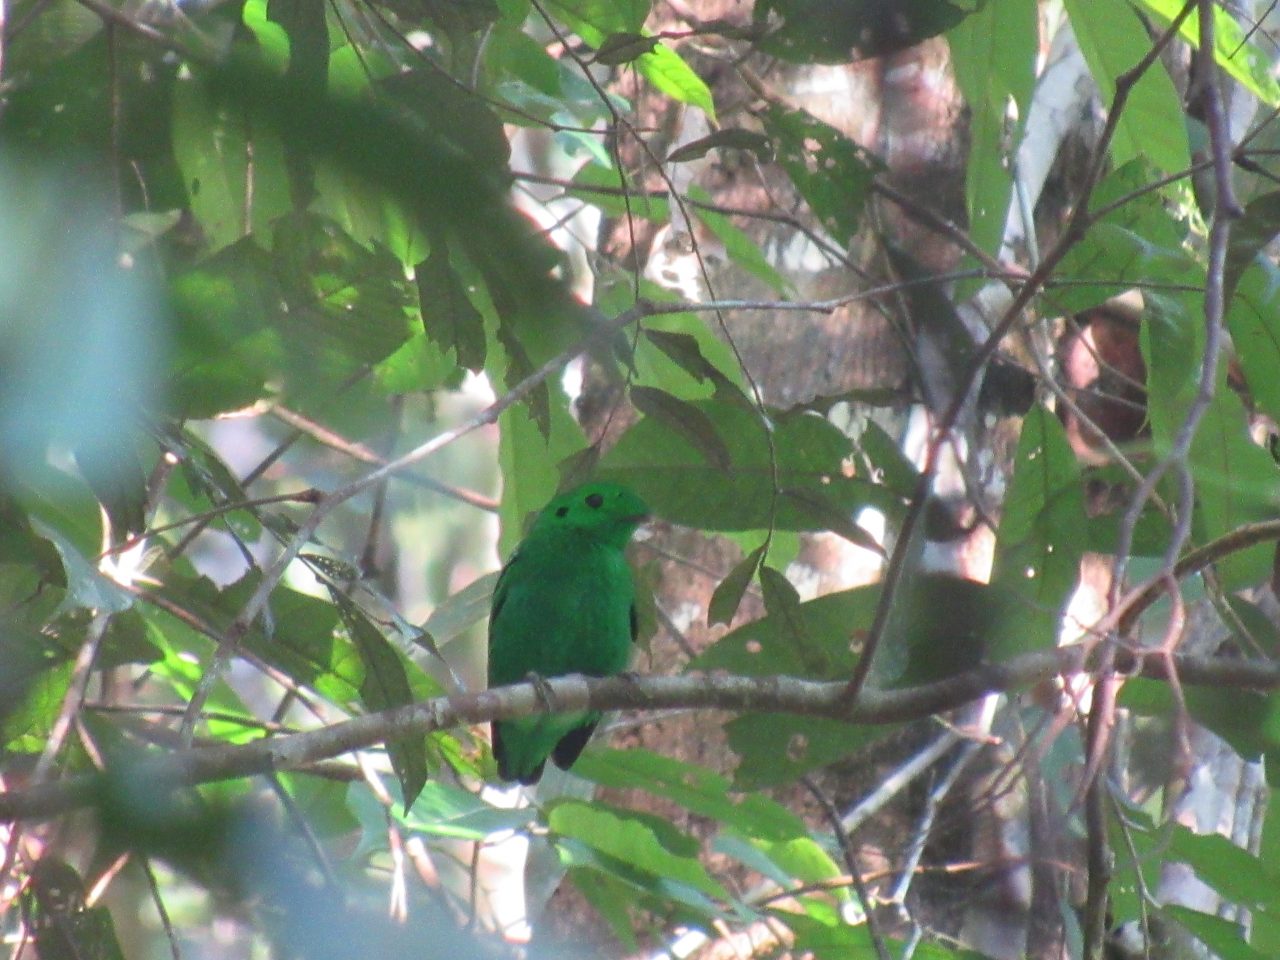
column 1249, row 236
column 667, row 71
column 449, row 317
column 1235, row 51
column 685, row 418
column 831, row 172
column 727, row 138
column 1134, row 243
column 1221, row 936
column 1234, row 477
column 673, row 476
column 698, row 790
column 643, row 841
column 779, row 748
column 385, row 685
column 1113, row 41
column 1040, row 540
column 993, row 54
column 1252, row 320
column 728, row 595
column 624, row 47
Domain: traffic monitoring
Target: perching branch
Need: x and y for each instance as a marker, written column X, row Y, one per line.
column 773, row 694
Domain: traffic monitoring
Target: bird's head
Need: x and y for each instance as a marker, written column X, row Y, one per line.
column 607, row 511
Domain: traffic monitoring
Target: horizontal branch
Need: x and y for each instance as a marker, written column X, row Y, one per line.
column 776, row 694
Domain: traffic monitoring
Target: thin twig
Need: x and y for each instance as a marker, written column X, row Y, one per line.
column 851, row 863
column 74, row 697
column 165, row 923
column 924, row 825
column 361, row 452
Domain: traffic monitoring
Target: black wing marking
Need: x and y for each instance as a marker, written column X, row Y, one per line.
column 501, row 589
column 572, row 744
column 635, row 624
column 505, row 773
column 499, row 750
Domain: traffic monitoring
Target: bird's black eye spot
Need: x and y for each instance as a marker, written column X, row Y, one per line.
column 595, row 501
column 562, row 512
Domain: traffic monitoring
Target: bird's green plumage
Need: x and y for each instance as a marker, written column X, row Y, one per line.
column 565, row 603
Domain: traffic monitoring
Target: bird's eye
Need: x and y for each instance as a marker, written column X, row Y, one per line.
column 562, row 512
column 595, row 501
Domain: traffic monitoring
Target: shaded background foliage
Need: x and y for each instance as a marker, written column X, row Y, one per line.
column 887, row 310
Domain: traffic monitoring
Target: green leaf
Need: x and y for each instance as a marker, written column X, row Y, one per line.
column 1235, row 52
column 29, row 707
column 385, row 685
column 1235, row 478
column 418, row 366
column 728, row 594
column 1249, row 721
column 1254, row 323
column 802, row 858
column 1113, row 41
column 208, row 476
column 226, row 158
column 619, row 48
column 888, row 463
column 830, row 625
column 529, row 464
column 322, row 802
column 126, row 641
column 643, row 841
column 449, row 317
column 1235, row 873
column 993, row 54
column 603, row 16
column 728, row 138
column 299, row 639
column 782, row 601
column 1039, row 544
column 612, row 898
column 462, row 610
column 1257, row 627
column 445, row 810
column 698, row 790
column 335, row 292
column 606, row 189
column 680, row 354
column 779, row 748
column 831, row 172
column 673, row 476
column 1135, row 244
column 687, row 902
column 942, row 625
column 664, row 68
column 60, row 504
column 1223, row 937
column 1249, row 237
column 832, row 518
column 741, row 248
column 686, row 419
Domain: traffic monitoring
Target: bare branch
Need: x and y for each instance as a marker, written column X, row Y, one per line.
column 575, row 693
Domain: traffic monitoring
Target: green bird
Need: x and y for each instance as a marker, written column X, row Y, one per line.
column 565, row 603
